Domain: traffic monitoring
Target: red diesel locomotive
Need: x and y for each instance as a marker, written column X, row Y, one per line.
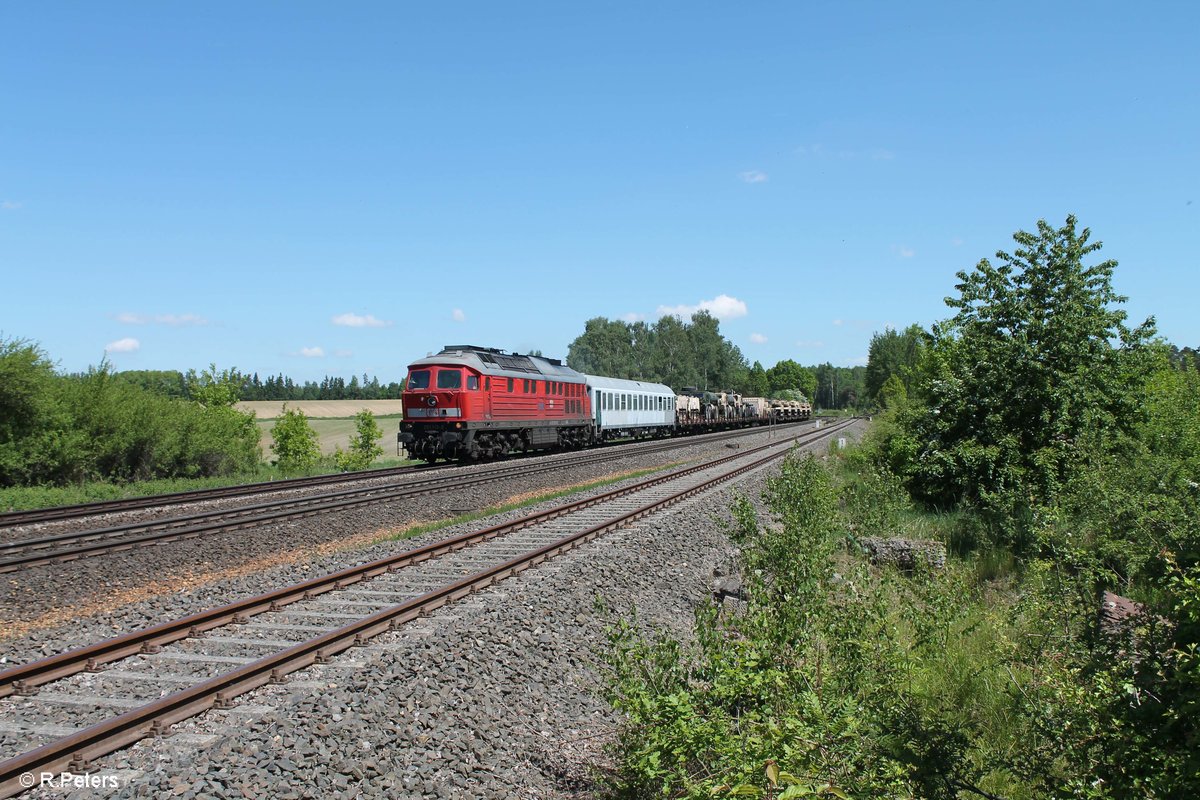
column 471, row 402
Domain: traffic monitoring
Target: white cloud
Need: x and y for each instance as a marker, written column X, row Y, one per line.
column 837, row 323
column 458, row 315
column 907, row 252
column 351, row 320
column 753, row 176
column 175, row 320
column 312, row 352
column 758, row 338
column 126, row 345
column 342, row 353
column 722, row 307
column 956, row 242
column 9, row 205
column 633, row 317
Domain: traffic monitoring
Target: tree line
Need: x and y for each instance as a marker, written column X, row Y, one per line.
column 694, row 354
column 173, row 383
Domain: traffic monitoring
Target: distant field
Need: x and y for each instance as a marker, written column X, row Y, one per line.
column 333, row 433
column 333, row 420
column 270, row 409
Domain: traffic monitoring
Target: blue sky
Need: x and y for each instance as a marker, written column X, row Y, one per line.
column 320, row 188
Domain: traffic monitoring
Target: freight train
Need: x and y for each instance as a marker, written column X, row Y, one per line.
column 470, row 403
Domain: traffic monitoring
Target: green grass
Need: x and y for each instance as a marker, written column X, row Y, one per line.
column 25, row 498
column 473, row 516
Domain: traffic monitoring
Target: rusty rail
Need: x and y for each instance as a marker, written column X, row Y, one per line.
column 76, row 751
column 105, row 540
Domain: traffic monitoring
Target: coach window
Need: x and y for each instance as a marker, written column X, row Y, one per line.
column 449, row 379
column 473, row 382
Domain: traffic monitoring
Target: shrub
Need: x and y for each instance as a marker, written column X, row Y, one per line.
column 364, row 444
column 295, row 442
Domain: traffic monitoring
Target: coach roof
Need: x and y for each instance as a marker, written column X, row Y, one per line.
column 620, row 385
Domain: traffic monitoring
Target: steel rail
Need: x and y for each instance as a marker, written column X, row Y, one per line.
column 10, row 519
column 76, row 751
column 100, row 541
column 26, row 677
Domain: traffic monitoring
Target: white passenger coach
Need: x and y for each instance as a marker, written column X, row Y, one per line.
column 630, row 408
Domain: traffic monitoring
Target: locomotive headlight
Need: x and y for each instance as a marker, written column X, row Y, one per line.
column 431, row 400
column 458, row 424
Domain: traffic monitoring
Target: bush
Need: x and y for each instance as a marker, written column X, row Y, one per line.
column 295, row 442
column 69, row 429
column 364, row 444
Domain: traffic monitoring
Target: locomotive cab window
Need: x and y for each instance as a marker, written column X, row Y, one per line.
column 418, row 379
column 449, row 379
column 472, row 381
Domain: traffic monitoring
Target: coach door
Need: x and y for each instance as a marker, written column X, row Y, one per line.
column 598, row 404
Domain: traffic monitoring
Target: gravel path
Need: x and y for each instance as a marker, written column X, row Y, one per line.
column 493, row 697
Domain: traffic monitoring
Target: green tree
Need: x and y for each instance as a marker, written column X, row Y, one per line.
column 892, row 394
column 604, row 348
column 707, row 349
column 213, row 387
column 893, row 353
column 787, row 374
column 364, row 444
column 168, row 383
column 672, row 361
column 295, row 442
column 1036, row 362
column 757, row 384
column 38, row 443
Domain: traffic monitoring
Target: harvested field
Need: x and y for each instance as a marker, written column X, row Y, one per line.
column 325, row 409
column 336, row 432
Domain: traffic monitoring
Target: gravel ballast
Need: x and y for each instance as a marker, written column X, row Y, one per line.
column 496, row 696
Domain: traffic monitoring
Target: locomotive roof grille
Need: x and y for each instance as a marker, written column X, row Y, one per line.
column 510, row 361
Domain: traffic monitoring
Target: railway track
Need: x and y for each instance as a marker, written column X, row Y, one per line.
column 12, row 519
column 62, row 547
column 142, row 683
